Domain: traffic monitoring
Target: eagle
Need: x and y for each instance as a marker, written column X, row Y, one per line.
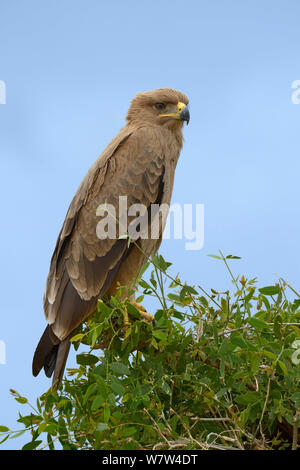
column 139, row 164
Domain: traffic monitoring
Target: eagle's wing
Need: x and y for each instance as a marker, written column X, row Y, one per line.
column 83, row 266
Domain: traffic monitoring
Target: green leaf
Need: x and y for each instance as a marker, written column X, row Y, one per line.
column 128, row 431
column 119, row 368
column 94, row 336
column 238, row 341
column 117, row 386
column 90, row 390
column 222, row 368
column 161, row 263
column 31, row 445
column 50, row 442
column 297, row 303
column 248, row 397
column 38, row 405
column 203, row 301
column 270, row 355
column 106, row 413
column 258, row 324
column 104, row 309
column 175, row 298
column 102, row 427
column 133, row 311
column 159, row 335
column 296, row 399
column 86, row 359
column 165, row 388
column 154, row 283
column 144, row 268
column 42, row 427
column 215, row 332
column 250, row 294
column 221, row 393
column 3, row 440
column 283, row 368
column 244, row 416
column 277, row 326
column 255, row 362
column 77, row 337
column 266, row 302
column 224, row 304
column 22, row 400
column 4, row 429
column 187, row 290
column 51, row 428
column 215, row 256
column 97, row 402
column 145, row 285
column 269, row 290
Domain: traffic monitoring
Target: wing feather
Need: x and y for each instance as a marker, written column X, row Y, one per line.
column 82, row 265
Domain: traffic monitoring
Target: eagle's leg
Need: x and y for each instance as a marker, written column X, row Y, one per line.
column 126, row 279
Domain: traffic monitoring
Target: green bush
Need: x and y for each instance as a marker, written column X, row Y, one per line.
column 215, row 370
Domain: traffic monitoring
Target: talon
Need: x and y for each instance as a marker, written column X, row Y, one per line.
column 140, row 307
column 147, row 316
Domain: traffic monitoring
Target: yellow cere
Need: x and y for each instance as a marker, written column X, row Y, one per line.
column 180, row 107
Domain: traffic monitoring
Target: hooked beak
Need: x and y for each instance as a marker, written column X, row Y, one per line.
column 183, row 113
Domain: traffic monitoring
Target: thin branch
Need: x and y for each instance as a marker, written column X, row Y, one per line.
column 295, row 430
column 263, row 411
column 292, row 289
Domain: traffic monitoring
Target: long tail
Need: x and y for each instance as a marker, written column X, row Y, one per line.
column 51, row 354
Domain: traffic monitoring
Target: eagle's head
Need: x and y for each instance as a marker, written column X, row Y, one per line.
column 165, row 107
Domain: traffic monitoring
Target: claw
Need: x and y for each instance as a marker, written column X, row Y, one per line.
column 126, row 321
column 147, row 316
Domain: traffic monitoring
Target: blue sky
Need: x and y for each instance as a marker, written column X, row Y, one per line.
column 71, row 68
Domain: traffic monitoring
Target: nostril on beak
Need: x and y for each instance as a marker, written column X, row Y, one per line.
column 185, row 114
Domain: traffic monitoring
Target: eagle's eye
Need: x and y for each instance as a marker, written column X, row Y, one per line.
column 159, row 106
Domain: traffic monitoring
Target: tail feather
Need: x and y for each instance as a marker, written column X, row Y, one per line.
column 51, row 354
column 61, row 359
column 50, row 361
column 46, row 344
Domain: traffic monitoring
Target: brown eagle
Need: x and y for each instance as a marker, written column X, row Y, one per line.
column 139, row 163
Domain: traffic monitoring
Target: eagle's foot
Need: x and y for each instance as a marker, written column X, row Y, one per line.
column 127, row 321
column 143, row 312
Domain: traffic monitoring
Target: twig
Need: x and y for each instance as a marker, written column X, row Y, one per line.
column 157, row 427
column 173, row 444
column 200, row 445
column 287, row 284
column 227, row 266
column 210, row 419
column 295, row 430
column 263, row 411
